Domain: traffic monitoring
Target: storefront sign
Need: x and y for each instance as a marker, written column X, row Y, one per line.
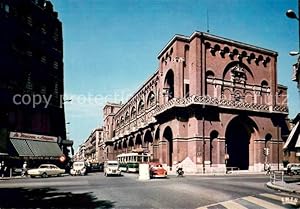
column 25, row 136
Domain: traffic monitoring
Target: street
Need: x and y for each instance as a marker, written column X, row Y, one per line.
column 97, row 191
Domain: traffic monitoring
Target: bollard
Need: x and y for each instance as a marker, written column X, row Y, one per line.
column 10, row 172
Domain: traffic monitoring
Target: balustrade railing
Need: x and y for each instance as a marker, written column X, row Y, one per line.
column 147, row 116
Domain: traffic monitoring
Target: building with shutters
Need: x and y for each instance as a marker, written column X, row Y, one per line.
column 31, row 67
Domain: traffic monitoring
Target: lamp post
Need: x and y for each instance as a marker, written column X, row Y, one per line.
column 291, row 14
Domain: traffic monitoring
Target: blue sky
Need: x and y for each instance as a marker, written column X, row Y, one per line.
column 111, row 46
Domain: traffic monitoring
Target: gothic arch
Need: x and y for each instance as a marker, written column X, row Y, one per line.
column 238, row 71
column 238, row 134
column 150, row 99
column 133, row 112
column 168, row 136
column 125, row 144
column 130, row 142
column 169, row 84
column 213, row 144
column 138, row 140
column 141, row 106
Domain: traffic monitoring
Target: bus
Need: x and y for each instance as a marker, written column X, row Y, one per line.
column 129, row 162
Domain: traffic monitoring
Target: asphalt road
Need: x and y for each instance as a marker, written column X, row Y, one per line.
column 98, row 191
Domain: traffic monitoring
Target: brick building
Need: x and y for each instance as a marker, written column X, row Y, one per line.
column 31, row 65
column 94, row 147
column 212, row 103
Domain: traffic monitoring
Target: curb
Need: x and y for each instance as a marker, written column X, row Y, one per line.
column 23, row 177
column 281, row 188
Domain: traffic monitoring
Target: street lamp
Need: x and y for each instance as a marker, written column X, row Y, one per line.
column 291, row 14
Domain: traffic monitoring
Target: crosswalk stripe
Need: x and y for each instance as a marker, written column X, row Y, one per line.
column 262, row 203
column 271, row 196
column 232, row 204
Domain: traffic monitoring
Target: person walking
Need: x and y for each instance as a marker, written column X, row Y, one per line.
column 24, row 169
column 268, row 167
column 1, row 168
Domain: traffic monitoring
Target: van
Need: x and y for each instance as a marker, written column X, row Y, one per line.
column 293, row 169
column 111, row 167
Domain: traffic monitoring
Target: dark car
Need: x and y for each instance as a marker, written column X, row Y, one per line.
column 96, row 167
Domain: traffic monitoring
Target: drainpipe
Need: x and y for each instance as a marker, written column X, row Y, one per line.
column 278, row 146
column 203, row 138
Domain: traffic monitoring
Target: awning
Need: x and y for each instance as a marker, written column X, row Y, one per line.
column 298, row 142
column 22, row 147
column 44, row 149
column 293, row 136
column 34, row 148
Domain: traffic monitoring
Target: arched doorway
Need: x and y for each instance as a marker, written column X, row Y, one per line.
column 138, row 141
column 168, row 136
column 148, row 139
column 238, row 135
column 213, row 145
column 156, row 146
column 130, row 144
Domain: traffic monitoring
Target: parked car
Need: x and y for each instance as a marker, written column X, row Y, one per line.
column 96, row 167
column 293, row 169
column 111, row 168
column 45, row 170
column 78, row 168
column 157, row 170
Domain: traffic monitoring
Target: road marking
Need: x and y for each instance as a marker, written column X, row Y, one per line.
column 272, row 196
column 253, row 200
column 232, row 204
column 262, row 203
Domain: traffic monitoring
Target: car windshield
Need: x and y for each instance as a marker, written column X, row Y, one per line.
column 81, row 164
column 112, row 164
column 43, row 166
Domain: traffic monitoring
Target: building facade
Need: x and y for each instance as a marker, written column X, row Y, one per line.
column 94, row 147
column 32, row 77
column 213, row 104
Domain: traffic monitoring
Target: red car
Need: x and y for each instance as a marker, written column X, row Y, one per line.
column 157, row 170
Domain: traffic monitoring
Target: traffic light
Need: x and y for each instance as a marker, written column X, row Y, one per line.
column 266, row 151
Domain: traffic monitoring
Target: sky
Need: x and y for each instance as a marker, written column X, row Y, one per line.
column 111, row 46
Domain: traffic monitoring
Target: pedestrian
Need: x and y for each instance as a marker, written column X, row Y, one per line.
column 179, row 169
column 24, row 169
column 1, row 168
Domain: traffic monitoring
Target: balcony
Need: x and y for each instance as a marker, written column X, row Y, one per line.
column 220, row 103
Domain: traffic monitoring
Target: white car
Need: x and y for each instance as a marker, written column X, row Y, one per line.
column 112, row 168
column 45, row 170
column 78, row 168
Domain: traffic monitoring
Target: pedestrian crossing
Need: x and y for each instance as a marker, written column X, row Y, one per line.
column 260, row 201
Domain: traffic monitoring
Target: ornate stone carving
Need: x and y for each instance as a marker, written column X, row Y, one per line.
column 238, row 74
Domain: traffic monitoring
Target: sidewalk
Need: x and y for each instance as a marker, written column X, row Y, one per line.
column 21, row 177
column 13, row 177
column 292, row 187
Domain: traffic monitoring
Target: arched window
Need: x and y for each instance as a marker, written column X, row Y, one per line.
column 151, row 99
column 127, row 117
column 264, row 83
column 169, row 85
column 141, row 106
column 133, row 112
column 210, row 74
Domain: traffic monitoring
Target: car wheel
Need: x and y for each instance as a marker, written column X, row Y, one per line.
column 45, row 175
column 32, row 176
